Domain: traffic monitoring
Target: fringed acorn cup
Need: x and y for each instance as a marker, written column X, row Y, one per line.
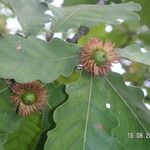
column 97, row 56
column 29, row 97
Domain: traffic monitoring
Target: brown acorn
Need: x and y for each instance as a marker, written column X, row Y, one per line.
column 29, row 97
column 97, row 56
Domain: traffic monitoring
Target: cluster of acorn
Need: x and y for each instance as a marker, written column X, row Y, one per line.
column 96, row 58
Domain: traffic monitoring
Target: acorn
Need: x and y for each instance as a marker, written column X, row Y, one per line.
column 29, row 97
column 97, row 56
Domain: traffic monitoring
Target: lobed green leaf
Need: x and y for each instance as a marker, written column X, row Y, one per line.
column 134, row 53
column 56, row 96
column 65, row 18
column 31, row 59
column 25, row 137
column 32, row 19
column 99, row 114
column 8, row 117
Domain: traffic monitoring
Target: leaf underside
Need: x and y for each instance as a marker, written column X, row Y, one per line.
column 65, row 18
column 134, row 53
column 31, row 59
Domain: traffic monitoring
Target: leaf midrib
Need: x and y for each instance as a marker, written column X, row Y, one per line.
column 42, row 60
column 88, row 111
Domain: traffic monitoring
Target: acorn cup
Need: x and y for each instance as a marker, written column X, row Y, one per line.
column 97, row 56
column 29, row 97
